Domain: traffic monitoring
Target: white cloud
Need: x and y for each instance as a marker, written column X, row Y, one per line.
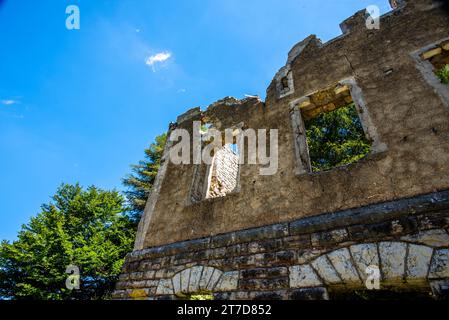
column 157, row 58
column 9, row 102
column 182, row 90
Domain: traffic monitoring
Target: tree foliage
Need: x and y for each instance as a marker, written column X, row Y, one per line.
column 140, row 182
column 86, row 228
column 336, row 138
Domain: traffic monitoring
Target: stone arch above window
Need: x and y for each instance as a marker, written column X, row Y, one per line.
column 198, row 279
column 399, row 262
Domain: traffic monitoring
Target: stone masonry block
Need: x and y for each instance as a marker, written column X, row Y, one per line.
column 326, row 270
column 165, row 287
column 303, row 276
column 418, row 261
column 329, row 237
column 262, row 273
column 319, row 293
column 440, row 289
column 392, row 258
column 205, row 277
column 184, row 280
column 341, row 259
column 439, row 267
column 264, row 284
column 365, row 255
column 228, row 281
column 195, row 275
column 433, row 238
column 215, row 277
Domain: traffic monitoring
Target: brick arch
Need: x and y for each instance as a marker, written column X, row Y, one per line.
column 198, row 279
column 398, row 262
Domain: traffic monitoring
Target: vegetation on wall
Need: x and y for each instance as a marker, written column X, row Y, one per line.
column 443, row 74
column 336, row 138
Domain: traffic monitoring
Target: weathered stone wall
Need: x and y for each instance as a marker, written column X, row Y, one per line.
column 344, row 217
column 310, row 258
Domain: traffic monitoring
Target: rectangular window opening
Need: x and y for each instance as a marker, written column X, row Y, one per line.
column 221, row 177
column 224, row 172
column 433, row 63
column 438, row 56
column 333, row 129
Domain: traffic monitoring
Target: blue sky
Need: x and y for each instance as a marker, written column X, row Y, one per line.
column 81, row 105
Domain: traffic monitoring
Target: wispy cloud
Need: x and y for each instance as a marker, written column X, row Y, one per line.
column 157, row 58
column 9, row 102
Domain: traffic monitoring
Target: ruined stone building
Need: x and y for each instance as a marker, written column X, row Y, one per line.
column 304, row 233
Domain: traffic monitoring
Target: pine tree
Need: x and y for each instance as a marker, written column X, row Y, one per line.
column 140, row 182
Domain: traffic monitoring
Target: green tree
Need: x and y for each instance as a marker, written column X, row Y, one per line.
column 140, row 182
column 336, row 138
column 86, row 228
